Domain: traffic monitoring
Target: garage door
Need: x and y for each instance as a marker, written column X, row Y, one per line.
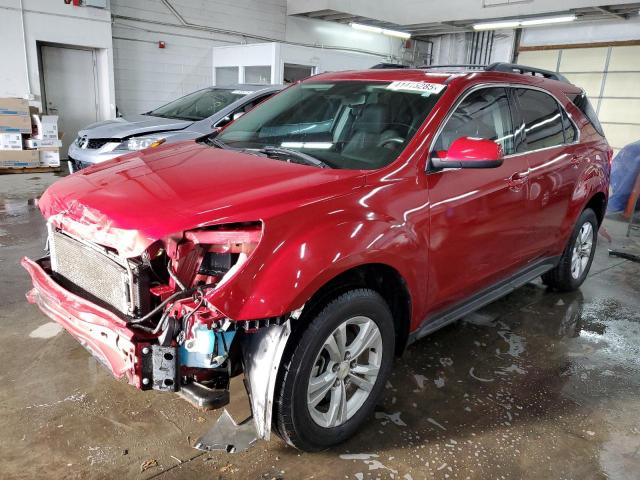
column 610, row 74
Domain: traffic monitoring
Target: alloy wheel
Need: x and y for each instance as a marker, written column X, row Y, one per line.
column 344, row 372
column 582, row 249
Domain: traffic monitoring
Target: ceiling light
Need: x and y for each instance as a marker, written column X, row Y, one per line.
column 496, row 25
column 383, row 31
column 524, row 23
column 548, row 20
column 395, row 33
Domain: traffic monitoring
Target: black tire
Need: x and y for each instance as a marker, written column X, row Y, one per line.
column 561, row 278
column 292, row 420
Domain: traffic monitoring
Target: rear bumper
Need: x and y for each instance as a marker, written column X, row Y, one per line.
column 101, row 332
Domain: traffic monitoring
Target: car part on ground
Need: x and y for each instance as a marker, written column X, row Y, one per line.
column 228, row 436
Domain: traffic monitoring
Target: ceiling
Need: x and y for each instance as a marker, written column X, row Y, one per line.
column 423, row 30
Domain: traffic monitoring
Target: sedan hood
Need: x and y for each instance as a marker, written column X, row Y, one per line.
column 132, row 201
column 133, row 125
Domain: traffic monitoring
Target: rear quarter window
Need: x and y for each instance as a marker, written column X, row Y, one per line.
column 581, row 101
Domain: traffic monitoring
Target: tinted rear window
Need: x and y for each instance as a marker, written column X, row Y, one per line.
column 542, row 119
column 584, row 105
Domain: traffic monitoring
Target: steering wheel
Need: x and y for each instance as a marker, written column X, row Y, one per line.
column 393, row 141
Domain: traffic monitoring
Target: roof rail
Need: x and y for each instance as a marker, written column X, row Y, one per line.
column 504, row 67
column 458, row 65
column 523, row 69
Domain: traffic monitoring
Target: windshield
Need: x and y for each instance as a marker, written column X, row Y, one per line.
column 344, row 124
column 199, row 105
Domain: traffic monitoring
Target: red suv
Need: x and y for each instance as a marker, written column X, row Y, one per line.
column 314, row 238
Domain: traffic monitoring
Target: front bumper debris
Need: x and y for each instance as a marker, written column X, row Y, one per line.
column 100, row 331
column 134, row 355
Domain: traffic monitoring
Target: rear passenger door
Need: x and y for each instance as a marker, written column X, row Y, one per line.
column 554, row 158
column 476, row 234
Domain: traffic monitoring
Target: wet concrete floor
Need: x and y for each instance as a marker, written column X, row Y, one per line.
column 536, row 385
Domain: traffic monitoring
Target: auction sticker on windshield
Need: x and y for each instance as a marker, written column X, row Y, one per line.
column 418, row 87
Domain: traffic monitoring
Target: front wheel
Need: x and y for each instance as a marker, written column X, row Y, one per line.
column 333, row 376
column 576, row 260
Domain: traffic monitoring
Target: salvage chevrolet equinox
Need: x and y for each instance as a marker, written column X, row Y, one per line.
column 311, row 240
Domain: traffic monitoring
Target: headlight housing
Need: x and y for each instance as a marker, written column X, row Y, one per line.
column 226, row 249
column 140, row 143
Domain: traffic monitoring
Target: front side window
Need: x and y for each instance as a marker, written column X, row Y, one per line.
column 542, row 117
column 482, row 114
column 344, row 124
column 199, row 105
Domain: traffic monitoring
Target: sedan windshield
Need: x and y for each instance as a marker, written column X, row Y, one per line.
column 199, row 105
column 344, row 124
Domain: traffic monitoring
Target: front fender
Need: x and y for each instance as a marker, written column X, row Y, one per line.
column 292, row 263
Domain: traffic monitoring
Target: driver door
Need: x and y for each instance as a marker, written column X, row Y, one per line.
column 477, row 229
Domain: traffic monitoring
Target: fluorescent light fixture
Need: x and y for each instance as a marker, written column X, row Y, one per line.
column 524, row 23
column 496, row 25
column 395, row 33
column 383, row 31
column 548, row 20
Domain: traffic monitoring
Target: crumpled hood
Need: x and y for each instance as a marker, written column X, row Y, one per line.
column 133, row 125
column 132, row 201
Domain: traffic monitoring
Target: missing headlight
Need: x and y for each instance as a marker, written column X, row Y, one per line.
column 217, row 264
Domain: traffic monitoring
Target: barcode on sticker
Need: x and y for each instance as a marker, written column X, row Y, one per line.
column 422, row 87
column 242, row 92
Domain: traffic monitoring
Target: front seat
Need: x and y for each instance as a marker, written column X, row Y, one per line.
column 370, row 129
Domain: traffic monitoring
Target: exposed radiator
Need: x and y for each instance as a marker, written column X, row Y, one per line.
column 100, row 276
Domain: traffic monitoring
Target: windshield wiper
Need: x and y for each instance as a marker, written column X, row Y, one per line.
column 214, row 142
column 288, row 152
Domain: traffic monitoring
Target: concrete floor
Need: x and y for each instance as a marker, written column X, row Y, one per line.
column 537, row 385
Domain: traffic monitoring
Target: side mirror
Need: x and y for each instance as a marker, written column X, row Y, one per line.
column 237, row 115
column 468, row 152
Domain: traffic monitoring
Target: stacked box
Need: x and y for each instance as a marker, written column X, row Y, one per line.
column 14, row 115
column 49, row 156
column 19, row 159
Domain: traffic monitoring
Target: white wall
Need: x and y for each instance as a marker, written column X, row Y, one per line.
column 604, row 31
column 454, row 48
column 276, row 54
column 53, row 22
column 147, row 76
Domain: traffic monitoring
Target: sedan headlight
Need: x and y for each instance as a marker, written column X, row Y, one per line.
column 140, row 143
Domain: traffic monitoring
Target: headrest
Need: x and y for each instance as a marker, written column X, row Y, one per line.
column 372, row 119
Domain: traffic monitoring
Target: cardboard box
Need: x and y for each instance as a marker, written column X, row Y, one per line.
column 44, row 127
column 10, row 141
column 19, row 158
column 15, row 124
column 49, row 142
column 14, row 106
column 49, row 157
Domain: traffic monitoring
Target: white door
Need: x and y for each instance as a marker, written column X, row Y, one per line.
column 610, row 75
column 70, row 89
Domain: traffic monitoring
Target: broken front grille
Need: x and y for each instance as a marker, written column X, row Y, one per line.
column 92, row 272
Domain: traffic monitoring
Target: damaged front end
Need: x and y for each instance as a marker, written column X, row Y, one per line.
column 153, row 318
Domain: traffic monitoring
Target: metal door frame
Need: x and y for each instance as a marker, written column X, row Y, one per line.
column 43, row 89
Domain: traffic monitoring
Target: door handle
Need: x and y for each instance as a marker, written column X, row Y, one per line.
column 518, row 179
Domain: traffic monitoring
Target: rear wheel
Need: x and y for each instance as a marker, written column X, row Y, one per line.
column 576, row 260
column 333, row 376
